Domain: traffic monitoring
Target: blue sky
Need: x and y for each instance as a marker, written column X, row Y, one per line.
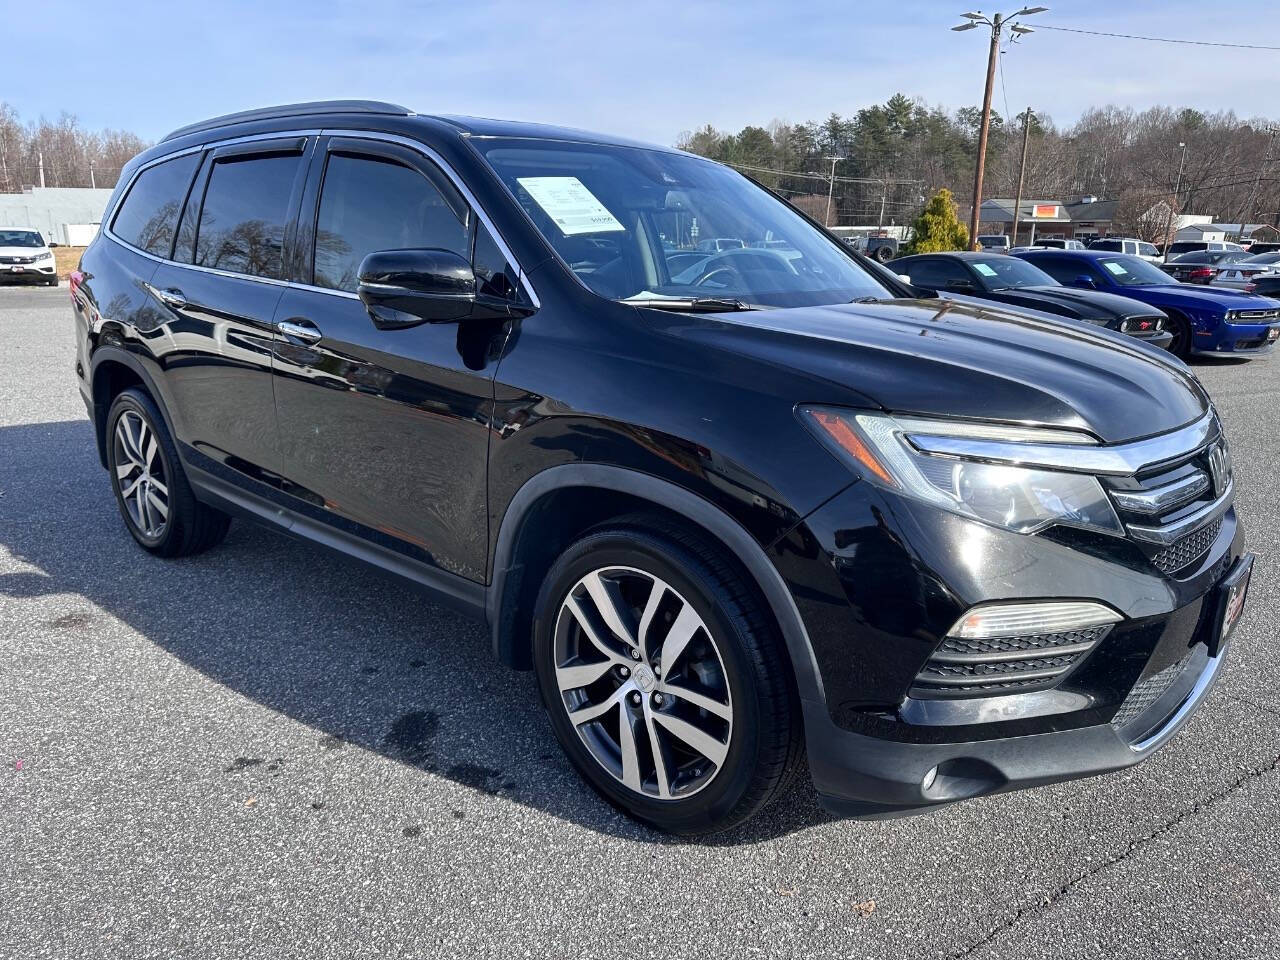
column 646, row 69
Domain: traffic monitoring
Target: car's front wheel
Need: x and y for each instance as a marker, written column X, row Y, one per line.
column 664, row 679
column 151, row 489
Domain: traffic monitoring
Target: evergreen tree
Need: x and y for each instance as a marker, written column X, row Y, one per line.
column 938, row 227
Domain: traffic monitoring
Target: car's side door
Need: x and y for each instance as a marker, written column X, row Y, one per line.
column 220, row 292
column 384, row 432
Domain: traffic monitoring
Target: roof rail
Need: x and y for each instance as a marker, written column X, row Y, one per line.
column 295, row 110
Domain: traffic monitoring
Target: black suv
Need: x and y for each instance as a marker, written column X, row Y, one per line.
column 728, row 504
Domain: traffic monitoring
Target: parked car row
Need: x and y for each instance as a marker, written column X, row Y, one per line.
column 1124, row 293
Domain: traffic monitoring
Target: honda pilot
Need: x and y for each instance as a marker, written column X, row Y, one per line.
column 734, row 504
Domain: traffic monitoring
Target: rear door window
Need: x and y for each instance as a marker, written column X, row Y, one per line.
column 148, row 217
column 370, row 203
column 245, row 213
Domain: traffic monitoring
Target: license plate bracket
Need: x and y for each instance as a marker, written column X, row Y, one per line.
column 1230, row 595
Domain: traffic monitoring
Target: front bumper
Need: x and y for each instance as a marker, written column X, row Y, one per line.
column 862, row 776
column 42, row 271
column 1252, row 339
column 898, row 575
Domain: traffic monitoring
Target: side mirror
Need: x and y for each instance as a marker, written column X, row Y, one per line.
column 402, row 288
column 1086, row 282
column 904, row 278
column 961, row 286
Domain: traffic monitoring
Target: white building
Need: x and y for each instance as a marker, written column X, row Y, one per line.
column 51, row 210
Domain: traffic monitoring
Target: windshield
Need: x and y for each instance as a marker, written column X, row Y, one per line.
column 1263, row 258
column 20, row 238
column 637, row 224
column 1001, row 273
column 1133, row 272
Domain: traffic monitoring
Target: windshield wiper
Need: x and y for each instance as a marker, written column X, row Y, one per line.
column 692, row 304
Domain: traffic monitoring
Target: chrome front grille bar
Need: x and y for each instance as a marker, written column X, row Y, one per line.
column 1170, row 533
column 1164, row 498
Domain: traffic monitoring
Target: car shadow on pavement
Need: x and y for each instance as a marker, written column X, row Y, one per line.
column 359, row 656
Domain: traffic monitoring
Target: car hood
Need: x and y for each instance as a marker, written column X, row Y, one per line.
column 22, row 251
column 1186, row 294
column 953, row 359
column 1089, row 303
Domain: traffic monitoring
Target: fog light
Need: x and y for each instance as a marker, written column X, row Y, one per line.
column 929, row 778
column 1029, row 619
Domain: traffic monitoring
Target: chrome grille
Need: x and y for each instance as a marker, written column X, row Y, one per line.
column 17, row 259
column 1174, row 510
column 969, row 668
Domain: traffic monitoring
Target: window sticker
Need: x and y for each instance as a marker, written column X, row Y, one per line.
column 984, row 269
column 572, row 206
column 1116, row 268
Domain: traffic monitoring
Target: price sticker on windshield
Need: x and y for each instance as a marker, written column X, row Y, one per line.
column 1116, row 268
column 571, row 205
column 984, row 269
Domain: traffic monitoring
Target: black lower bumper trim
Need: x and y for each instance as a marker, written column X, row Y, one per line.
column 866, row 777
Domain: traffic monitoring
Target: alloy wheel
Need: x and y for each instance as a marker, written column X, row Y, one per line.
column 643, row 682
column 140, row 474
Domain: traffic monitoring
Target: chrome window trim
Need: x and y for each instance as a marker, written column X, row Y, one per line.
column 415, row 145
column 1119, row 460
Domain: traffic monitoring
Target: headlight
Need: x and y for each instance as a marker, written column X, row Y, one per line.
column 1017, row 498
column 47, row 255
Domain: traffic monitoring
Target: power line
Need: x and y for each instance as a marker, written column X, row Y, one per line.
column 1131, row 36
column 813, row 176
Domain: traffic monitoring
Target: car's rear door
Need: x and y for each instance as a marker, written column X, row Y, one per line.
column 384, row 433
column 220, row 293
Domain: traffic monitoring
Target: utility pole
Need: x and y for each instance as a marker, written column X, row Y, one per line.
column 40, row 156
column 884, row 196
column 1177, row 187
column 1027, row 117
column 831, row 188
column 93, row 183
column 997, row 24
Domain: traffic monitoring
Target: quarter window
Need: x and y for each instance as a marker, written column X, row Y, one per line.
column 369, row 204
column 149, row 214
column 246, row 207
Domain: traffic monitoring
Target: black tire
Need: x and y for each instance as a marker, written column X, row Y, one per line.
column 883, row 253
column 1180, row 346
column 190, row 526
column 766, row 747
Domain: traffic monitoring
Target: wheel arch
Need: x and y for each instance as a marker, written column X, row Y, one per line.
column 599, row 492
column 113, row 370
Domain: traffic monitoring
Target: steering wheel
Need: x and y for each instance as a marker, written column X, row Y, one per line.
column 727, row 270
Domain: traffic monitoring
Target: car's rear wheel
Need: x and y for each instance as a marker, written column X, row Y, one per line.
column 664, row 680
column 151, row 489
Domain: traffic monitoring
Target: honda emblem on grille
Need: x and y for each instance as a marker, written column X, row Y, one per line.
column 1218, row 469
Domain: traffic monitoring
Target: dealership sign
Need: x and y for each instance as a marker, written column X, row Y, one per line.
column 1044, row 211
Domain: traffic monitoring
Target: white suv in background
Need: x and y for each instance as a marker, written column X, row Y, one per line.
column 25, row 256
column 1135, row 248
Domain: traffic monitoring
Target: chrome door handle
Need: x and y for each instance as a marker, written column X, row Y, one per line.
column 299, row 331
column 171, row 298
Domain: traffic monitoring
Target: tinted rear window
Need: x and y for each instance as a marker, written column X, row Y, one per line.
column 246, row 206
column 149, row 214
column 1106, row 245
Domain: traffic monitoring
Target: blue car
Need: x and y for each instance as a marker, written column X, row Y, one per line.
column 1203, row 320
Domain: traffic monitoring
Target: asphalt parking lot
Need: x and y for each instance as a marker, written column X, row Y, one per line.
column 270, row 751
